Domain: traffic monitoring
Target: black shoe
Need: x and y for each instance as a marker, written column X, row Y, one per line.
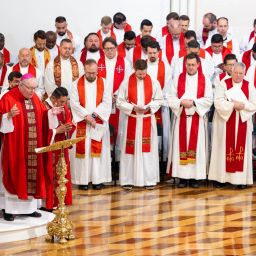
column 83, row 187
column 34, row 215
column 8, row 216
column 97, row 186
column 182, row 183
column 241, row 186
column 219, row 184
column 128, row 187
column 45, row 209
column 193, row 183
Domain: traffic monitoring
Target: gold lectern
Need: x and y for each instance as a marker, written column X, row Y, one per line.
column 61, row 226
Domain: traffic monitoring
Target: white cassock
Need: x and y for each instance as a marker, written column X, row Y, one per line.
column 93, row 55
column 140, row 169
column 245, row 44
column 198, row 170
column 119, row 33
column 206, row 63
column 110, row 72
column 53, row 52
column 152, row 70
column 10, row 202
column 229, row 37
column 250, row 75
column 24, row 70
column 40, row 60
column 66, row 75
column 199, row 36
column 223, row 111
column 91, row 169
column 76, row 42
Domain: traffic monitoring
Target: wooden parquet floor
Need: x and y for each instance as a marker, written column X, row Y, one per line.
column 164, row 221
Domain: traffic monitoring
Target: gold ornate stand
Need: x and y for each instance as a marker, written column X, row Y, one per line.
column 61, row 226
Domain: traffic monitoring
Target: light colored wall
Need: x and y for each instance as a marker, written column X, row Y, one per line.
column 19, row 20
column 240, row 13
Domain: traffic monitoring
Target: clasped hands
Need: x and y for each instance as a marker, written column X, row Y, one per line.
column 90, row 119
column 238, row 105
column 187, row 103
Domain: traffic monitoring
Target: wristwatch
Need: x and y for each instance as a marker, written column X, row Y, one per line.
column 94, row 116
column 194, row 104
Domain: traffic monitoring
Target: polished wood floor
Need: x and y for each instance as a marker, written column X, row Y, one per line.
column 164, row 221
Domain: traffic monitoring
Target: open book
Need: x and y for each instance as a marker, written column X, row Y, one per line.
column 235, row 93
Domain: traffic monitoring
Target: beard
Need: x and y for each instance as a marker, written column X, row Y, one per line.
column 61, row 33
column 152, row 59
column 90, row 79
column 93, row 49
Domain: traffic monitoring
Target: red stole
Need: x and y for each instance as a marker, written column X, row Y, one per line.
column 222, row 75
column 205, row 35
column 100, row 36
column 126, row 28
column 15, row 145
column 118, row 78
column 188, row 154
column 252, row 35
column 246, row 59
column 131, row 126
column 160, row 78
column 225, row 51
column 83, row 56
column 119, row 71
column 4, row 69
column 165, row 30
column 52, row 160
column 6, row 54
column 137, row 41
column 230, row 45
column 170, row 48
column 121, row 50
column 96, row 146
column 235, row 153
column 31, row 69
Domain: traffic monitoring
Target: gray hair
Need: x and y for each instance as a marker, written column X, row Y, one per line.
column 239, row 64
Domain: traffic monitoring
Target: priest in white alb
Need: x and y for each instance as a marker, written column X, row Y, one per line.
column 190, row 100
column 63, row 70
column 90, row 159
column 235, row 104
column 139, row 98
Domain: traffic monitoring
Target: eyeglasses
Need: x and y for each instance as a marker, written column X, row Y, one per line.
column 109, row 48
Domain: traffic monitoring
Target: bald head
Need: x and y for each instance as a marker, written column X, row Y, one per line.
column 24, row 57
column 51, row 38
column 175, row 29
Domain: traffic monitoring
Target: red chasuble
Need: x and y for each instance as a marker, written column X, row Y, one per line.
column 131, row 126
column 15, row 157
column 246, row 59
column 169, row 48
column 83, row 56
column 52, row 160
column 96, row 146
column 7, row 57
column 4, row 69
column 31, row 69
column 118, row 78
column 235, row 153
column 188, row 154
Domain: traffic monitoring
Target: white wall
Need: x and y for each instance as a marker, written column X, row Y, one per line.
column 240, row 13
column 20, row 19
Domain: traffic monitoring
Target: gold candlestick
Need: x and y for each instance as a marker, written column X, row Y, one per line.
column 61, row 226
